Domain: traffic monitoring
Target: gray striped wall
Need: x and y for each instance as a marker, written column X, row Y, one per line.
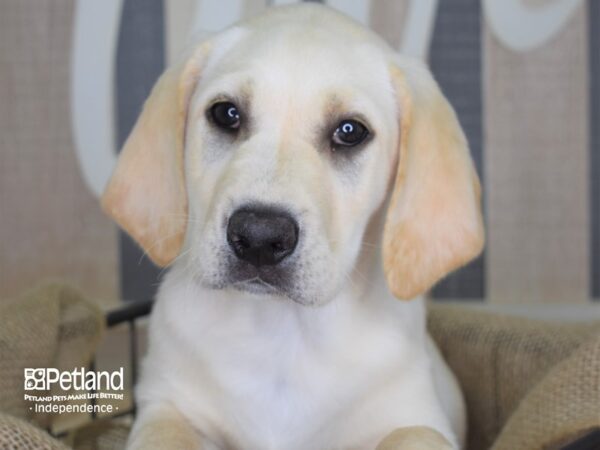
column 140, row 61
column 455, row 59
column 594, row 47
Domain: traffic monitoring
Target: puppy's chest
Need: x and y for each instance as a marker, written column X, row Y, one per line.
column 276, row 383
column 275, row 373
column 272, row 393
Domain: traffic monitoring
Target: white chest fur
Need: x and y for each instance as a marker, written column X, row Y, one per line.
column 251, row 372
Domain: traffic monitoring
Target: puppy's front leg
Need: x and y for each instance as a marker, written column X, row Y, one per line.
column 415, row 438
column 162, row 427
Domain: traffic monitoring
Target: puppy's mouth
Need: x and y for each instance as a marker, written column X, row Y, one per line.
column 258, row 286
column 269, row 280
column 281, row 282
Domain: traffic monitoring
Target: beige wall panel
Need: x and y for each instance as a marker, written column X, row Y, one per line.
column 536, row 168
column 387, row 19
column 254, row 7
column 50, row 224
column 179, row 16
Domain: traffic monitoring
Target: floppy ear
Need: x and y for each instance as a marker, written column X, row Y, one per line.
column 146, row 194
column 434, row 223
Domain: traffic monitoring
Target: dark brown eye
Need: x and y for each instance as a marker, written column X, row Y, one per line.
column 225, row 115
column 349, row 133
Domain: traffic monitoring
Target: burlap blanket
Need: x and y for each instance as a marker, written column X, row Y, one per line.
column 528, row 384
column 49, row 326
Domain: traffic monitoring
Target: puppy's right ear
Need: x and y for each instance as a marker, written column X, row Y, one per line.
column 146, row 195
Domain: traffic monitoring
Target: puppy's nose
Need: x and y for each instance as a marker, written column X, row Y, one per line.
column 262, row 236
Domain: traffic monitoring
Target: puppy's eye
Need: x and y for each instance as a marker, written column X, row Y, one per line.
column 225, row 115
column 349, row 133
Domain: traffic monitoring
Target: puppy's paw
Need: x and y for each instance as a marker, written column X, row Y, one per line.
column 415, row 438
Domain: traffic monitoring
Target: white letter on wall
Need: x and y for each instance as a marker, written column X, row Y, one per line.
column 521, row 27
column 95, row 36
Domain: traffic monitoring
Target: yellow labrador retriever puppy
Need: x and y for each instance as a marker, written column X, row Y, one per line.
column 297, row 176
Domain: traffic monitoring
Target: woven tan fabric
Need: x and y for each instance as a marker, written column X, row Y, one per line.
column 498, row 359
column 49, row 326
column 28, row 338
column 102, row 435
column 415, row 438
column 16, row 434
column 562, row 405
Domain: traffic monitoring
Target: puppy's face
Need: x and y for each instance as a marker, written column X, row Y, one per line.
column 289, row 151
column 258, row 162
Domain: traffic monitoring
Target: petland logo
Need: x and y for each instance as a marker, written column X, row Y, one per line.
column 78, row 379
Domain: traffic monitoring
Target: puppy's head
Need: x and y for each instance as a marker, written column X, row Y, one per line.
column 262, row 157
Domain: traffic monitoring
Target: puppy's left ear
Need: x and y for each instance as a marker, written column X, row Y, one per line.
column 434, row 223
column 146, row 194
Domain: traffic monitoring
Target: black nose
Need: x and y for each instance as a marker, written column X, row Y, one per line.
column 262, row 236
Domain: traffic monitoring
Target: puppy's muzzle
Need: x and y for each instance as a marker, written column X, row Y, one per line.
column 262, row 236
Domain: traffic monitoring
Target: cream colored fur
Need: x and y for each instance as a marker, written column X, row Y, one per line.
column 336, row 362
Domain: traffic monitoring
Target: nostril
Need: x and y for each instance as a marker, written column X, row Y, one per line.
column 241, row 242
column 277, row 247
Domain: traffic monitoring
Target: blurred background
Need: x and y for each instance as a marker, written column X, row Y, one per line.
column 523, row 75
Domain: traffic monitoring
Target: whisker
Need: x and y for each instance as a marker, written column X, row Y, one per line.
column 157, row 242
